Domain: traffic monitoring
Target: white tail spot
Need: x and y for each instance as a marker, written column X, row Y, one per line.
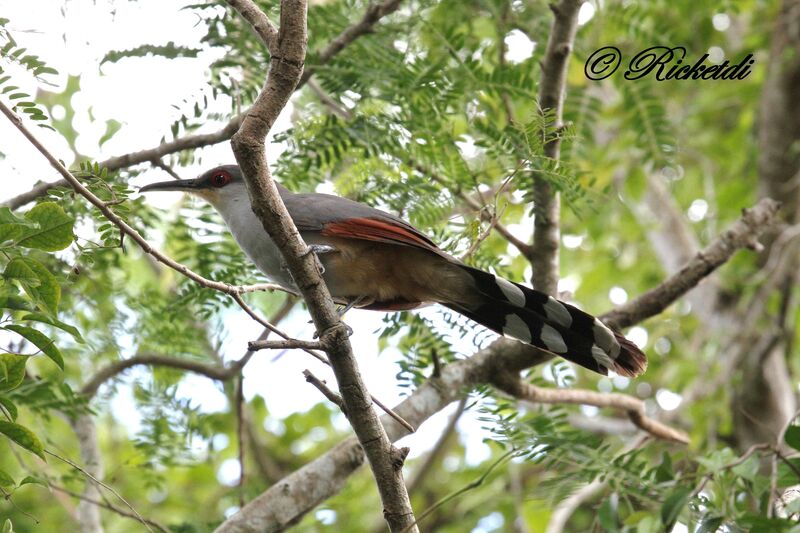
column 517, row 328
column 605, row 339
column 512, row 293
column 553, row 340
column 602, row 357
column 557, row 312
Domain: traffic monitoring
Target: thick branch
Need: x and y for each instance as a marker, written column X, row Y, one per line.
column 265, row 30
column 363, row 27
column 743, row 233
column 285, row 70
column 88, row 513
column 546, row 204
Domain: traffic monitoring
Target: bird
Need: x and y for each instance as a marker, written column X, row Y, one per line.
column 371, row 259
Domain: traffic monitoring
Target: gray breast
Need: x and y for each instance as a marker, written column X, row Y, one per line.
column 257, row 245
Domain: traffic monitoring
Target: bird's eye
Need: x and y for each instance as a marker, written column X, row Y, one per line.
column 220, row 179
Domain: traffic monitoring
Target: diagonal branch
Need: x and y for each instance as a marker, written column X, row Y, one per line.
column 298, row 493
column 285, row 70
column 633, row 407
column 546, row 203
column 742, row 234
column 363, row 27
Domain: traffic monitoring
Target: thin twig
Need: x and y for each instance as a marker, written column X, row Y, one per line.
column 157, row 162
column 108, row 506
column 473, row 485
column 105, row 486
column 324, row 389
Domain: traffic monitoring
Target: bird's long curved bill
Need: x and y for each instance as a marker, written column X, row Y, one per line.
column 174, row 185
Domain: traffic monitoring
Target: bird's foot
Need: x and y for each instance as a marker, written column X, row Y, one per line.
column 320, row 249
column 347, row 328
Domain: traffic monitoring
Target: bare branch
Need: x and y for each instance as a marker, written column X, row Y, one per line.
column 524, row 248
column 111, row 370
column 323, row 388
column 285, row 70
column 374, row 13
column 285, row 345
column 632, row 406
column 546, row 203
column 105, row 505
column 88, row 514
column 259, row 22
column 216, row 372
column 743, row 233
column 328, row 101
column 110, row 489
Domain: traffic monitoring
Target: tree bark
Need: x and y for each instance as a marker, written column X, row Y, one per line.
column 764, row 400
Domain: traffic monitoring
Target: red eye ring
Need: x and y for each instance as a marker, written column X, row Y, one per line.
column 221, row 178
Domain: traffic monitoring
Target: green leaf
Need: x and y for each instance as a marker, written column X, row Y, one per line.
column 748, row 469
column 30, row 480
column 22, row 436
column 787, row 476
column 673, row 505
column 12, row 370
column 41, row 341
column 37, row 281
column 664, row 471
column 45, row 319
column 792, row 437
column 607, row 516
column 54, row 231
column 711, row 524
column 11, row 226
column 8, row 527
column 9, row 406
column 6, row 480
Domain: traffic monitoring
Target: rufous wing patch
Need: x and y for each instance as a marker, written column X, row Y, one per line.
column 371, row 229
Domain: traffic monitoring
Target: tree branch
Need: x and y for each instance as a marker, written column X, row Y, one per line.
column 88, row 514
column 285, row 71
column 632, row 406
column 365, row 26
column 217, row 372
column 263, row 27
column 374, row 13
column 105, row 505
column 111, row 370
column 743, row 233
column 546, row 203
column 324, row 389
column 285, row 345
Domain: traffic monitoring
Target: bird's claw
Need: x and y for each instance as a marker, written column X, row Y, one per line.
column 347, row 328
column 320, row 249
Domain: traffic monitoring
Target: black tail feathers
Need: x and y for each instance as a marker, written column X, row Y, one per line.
column 535, row 318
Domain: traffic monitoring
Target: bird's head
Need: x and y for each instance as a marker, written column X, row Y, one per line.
column 221, row 186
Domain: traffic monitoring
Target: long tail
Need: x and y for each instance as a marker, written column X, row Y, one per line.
column 535, row 318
